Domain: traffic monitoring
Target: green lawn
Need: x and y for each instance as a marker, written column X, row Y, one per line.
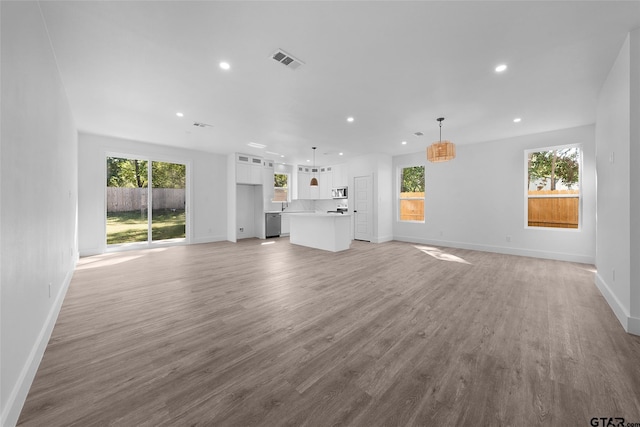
column 128, row 227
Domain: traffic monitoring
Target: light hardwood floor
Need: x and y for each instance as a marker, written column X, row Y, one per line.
column 383, row 334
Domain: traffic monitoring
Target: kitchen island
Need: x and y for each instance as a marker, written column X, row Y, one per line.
column 326, row 231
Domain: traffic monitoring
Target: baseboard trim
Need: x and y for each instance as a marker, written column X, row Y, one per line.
column 634, row 325
column 18, row 395
column 91, row 251
column 141, row 246
column 382, row 239
column 208, row 239
column 619, row 311
column 559, row 256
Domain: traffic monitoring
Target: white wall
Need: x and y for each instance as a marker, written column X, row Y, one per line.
column 384, row 198
column 478, row 199
column 207, row 188
column 247, row 210
column 618, row 166
column 231, row 197
column 38, row 199
column 634, row 159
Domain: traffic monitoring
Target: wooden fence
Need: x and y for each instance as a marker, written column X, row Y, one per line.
column 412, row 210
column 123, row 199
column 559, row 209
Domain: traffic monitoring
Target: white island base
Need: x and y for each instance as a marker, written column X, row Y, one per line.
column 330, row 232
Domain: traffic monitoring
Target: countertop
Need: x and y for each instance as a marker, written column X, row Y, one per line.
column 318, row 214
column 309, row 213
column 281, row 212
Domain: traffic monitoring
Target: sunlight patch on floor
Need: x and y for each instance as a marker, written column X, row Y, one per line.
column 103, row 261
column 439, row 254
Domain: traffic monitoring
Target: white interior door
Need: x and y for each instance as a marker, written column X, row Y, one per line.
column 363, row 211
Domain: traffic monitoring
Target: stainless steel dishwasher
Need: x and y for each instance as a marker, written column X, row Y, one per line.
column 273, row 224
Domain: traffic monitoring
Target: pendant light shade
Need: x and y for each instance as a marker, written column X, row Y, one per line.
column 314, row 180
column 441, row 151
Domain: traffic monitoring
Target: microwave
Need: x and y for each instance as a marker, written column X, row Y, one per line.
column 339, row 193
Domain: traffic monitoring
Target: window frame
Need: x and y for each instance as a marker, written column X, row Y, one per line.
column 288, row 187
column 399, row 171
column 527, row 151
column 149, row 243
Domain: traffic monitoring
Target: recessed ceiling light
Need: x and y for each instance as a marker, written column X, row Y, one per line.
column 179, row 114
column 308, row 160
column 500, row 68
column 517, row 120
column 225, row 65
column 404, row 142
column 350, row 119
column 256, row 145
column 282, row 155
column 340, row 154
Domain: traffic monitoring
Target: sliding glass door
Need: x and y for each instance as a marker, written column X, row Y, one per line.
column 128, row 200
column 168, row 219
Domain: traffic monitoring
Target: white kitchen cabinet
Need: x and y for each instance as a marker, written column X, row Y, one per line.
column 329, row 177
column 267, row 180
column 314, row 190
column 248, row 169
column 243, row 169
column 256, row 170
column 340, row 178
column 325, row 179
column 303, row 180
column 285, row 225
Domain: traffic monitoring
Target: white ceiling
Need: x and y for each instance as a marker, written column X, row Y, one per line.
column 128, row 67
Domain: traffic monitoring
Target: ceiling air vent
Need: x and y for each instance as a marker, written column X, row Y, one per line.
column 202, row 125
column 418, row 133
column 286, row 59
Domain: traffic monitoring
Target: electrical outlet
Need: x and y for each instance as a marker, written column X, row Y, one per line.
column 508, row 238
column 612, row 157
column 49, row 289
column 242, row 229
column 613, row 274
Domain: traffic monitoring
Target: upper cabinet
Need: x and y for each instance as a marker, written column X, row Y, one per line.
column 248, row 169
column 339, row 175
column 314, row 190
column 303, row 181
column 325, row 182
column 328, row 177
column 267, row 179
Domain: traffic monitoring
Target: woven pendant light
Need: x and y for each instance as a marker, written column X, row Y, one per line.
column 314, row 181
column 441, row 151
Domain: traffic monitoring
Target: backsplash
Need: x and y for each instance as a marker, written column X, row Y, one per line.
column 306, row 205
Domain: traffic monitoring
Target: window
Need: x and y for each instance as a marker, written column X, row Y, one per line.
column 553, row 187
column 411, row 206
column 280, row 187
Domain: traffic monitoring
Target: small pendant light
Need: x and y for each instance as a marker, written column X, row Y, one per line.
column 441, row 151
column 314, row 181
